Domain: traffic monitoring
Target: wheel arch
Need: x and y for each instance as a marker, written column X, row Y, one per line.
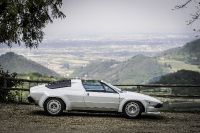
column 56, row 98
column 123, row 103
column 64, row 100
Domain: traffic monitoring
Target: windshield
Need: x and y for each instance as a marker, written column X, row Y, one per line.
column 114, row 87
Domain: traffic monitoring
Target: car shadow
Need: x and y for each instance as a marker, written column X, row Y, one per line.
column 98, row 114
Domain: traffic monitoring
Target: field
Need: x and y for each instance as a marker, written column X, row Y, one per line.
column 179, row 65
column 30, row 118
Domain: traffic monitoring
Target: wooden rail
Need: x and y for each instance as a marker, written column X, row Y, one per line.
column 27, row 80
column 159, row 85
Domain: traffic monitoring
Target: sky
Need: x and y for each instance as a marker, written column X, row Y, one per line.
column 104, row 17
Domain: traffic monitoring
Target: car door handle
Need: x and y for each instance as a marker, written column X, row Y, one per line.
column 88, row 94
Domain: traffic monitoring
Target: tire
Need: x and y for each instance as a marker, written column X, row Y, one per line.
column 132, row 109
column 54, row 106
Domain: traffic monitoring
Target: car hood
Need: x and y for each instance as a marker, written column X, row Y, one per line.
column 138, row 96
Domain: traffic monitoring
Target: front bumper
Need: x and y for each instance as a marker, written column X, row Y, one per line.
column 154, row 109
column 159, row 105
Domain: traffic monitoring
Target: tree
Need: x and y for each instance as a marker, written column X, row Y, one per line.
column 24, row 20
column 195, row 4
column 184, row 77
column 9, row 83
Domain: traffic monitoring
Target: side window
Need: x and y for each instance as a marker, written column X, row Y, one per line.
column 93, row 86
column 108, row 89
column 59, row 84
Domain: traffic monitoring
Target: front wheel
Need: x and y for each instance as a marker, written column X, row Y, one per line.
column 132, row 109
column 54, row 106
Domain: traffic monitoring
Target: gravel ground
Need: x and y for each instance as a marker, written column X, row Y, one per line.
column 30, row 118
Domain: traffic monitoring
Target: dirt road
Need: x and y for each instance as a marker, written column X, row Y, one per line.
column 29, row 118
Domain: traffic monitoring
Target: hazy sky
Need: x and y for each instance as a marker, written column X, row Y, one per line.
column 101, row 17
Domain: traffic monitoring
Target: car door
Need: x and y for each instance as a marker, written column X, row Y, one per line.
column 99, row 96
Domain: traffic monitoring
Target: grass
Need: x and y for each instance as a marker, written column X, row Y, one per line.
column 179, row 65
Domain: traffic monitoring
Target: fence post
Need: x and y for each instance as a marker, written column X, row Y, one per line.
column 138, row 89
column 29, row 86
column 20, row 96
column 4, row 83
column 4, row 87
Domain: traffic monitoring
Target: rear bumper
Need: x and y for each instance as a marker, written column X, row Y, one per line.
column 30, row 99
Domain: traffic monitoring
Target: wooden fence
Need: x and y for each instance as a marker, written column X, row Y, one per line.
column 21, row 88
column 25, row 85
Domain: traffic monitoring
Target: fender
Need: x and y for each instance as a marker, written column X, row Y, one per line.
column 46, row 96
column 124, row 101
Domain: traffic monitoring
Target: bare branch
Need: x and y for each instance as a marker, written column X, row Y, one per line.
column 194, row 17
column 183, row 5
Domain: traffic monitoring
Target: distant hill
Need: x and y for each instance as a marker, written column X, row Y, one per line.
column 182, row 77
column 189, row 53
column 143, row 69
column 96, row 69
column 138, row 69
column 19, row 64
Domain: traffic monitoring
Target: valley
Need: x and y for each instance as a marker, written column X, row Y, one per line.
column 64, row 56
column 65, row 60
column 125, row 61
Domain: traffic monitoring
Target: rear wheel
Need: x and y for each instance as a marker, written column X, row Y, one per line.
column 54, row 106
column 132, row 109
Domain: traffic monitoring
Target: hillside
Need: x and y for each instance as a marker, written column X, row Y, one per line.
column 138, row 69
column 189, row 53
column 96, row 69
column 17, row 63
column 182, row 77
column 143, row 69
